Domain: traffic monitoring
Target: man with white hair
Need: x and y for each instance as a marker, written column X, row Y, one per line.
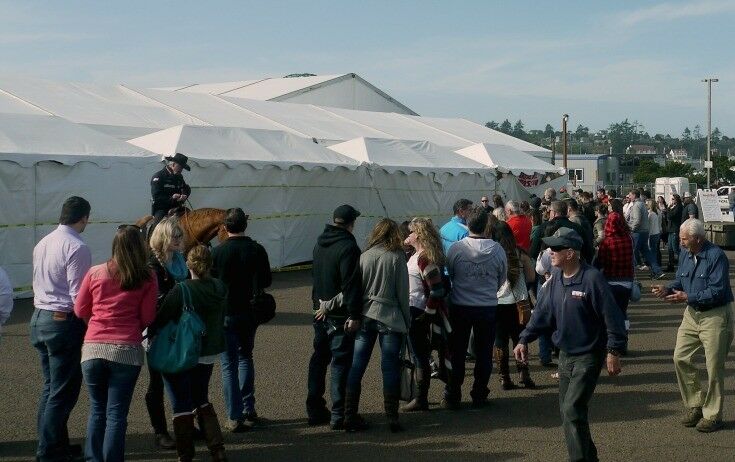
column 703, row 283
column 520, row 224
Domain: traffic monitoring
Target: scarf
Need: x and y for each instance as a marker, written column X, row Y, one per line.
column 177, row 267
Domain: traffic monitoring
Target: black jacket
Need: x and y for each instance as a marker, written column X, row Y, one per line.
column 166, row 282
column 588, row 249
column 165, row 184
column 336, row 269
column 237, row 261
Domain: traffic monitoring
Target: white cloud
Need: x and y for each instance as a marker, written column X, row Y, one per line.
column 664, row 12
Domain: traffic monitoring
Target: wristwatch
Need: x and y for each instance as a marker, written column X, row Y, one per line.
column 613, row 352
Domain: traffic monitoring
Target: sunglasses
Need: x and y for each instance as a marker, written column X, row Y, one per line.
column 484, row 200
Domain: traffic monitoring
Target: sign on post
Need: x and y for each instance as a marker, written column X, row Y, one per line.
column 709, row 206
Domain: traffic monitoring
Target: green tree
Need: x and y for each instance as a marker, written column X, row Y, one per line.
column 518, row 130
column 492, row 124
column 687, row 135
column 506, row 127
column 622, row 135
column 549, row 131
column 581, row 132
column 646, row 172
column 716, row 135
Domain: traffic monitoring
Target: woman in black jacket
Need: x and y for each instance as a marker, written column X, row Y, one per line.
column 673, row 215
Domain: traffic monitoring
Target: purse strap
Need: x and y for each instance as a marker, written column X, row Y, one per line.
column 186, row 297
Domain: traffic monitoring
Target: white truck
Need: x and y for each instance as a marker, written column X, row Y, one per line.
column 722, row 194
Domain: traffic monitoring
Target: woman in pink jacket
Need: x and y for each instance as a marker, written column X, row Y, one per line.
column 117, row 299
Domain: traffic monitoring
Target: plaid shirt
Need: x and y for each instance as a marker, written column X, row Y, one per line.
column 615, row 254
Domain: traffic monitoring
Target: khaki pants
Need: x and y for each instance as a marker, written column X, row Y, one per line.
column 713, row 331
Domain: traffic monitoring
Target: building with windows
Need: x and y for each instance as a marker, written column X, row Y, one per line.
column 591, row 171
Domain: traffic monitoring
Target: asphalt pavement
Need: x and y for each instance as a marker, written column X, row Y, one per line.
column 634, row 416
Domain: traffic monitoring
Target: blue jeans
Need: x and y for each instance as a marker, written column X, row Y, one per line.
column 654, row 243
column 390, row 351
column 188, row 390
column 481, row 321
column 545, row 345
column 58, row 338
column 331, row 344
column 111, row 387
column 640, row 242
column 673, row 247
column 238, row 368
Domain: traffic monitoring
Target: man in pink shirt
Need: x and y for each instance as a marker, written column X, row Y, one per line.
column 520, row 224
column 60, row 261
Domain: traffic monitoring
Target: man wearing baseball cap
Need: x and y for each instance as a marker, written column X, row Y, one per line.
column 577, row 307
column 335, row 270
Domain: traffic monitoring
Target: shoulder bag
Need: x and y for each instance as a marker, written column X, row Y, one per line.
column 262, row 303
column 408, row 376
column 177, row 346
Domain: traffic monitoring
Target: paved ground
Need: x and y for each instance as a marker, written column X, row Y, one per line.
column 634, row 416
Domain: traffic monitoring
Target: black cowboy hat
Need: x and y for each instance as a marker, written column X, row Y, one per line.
column 179, row 159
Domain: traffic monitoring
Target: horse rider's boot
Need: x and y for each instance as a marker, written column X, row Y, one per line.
column 209, row 424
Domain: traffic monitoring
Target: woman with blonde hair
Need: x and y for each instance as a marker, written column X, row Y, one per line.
column 117, row 300
column 167, row 261
column 189, row 390
column 429, row 322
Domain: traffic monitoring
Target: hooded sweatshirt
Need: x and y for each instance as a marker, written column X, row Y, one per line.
column 336, row 269
column 477, row 268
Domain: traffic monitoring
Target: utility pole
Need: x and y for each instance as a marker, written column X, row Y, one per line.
column 564, row 121
column 709, row 128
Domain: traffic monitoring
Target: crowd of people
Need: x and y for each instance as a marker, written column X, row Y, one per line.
column 494, row 278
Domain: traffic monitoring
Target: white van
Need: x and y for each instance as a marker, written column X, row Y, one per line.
column 722, row 193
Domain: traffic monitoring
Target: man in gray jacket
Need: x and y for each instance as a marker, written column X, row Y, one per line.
column 638, row 222
column 477, row 267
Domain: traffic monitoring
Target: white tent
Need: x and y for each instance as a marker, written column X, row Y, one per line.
column 418, row 178
column 508, row 159
column 44, row 160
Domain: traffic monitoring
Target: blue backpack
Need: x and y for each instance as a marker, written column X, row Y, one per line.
column 177, row 346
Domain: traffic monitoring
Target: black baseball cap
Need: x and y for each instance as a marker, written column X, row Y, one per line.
column 565, row 238
column 345, row 214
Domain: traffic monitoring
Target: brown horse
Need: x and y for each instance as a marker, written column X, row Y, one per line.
column 200, row 226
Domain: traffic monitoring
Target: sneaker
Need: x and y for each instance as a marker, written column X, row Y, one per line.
column 450, row 404
column 321, row 417
column 692, row 417
column 355, row 424
column 709, row 426
column 550, row 364
column 659, row 276
column 164, row 441
column 642, row 267
column 237, row 426
column 250, row 419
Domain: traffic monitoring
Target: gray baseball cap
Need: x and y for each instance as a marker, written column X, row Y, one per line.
column 566, row 238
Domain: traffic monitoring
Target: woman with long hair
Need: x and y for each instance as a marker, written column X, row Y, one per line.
column 428, row 309
column 615, row 259
column 117, row 300
column 654, row 226
column 189, row 390
column 386, row 318
column 508, row 327
column 169, row 264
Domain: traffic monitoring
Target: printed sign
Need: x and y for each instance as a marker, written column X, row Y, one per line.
column 529, row 180
column 709, row 205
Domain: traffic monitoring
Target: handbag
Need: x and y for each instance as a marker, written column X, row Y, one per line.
column 177, row 346
column 407, row 373
column 262, row 303
column 523, row 306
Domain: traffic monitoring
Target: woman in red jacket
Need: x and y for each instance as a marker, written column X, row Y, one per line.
column 615, row 260
column 117, row 299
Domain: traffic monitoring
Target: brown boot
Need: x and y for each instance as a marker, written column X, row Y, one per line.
column 525, row 375
column 501, row 359
column 209, row 424
column 184, row 432
column 421, row 401
column 390, row 403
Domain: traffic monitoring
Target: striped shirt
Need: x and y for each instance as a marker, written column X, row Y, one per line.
column 132, row 355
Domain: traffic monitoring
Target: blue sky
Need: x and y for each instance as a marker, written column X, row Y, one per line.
column 531, row 60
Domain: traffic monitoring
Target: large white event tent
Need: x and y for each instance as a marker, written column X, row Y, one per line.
column 271, row 158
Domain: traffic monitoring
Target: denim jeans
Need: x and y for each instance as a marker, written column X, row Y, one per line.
column 238, row 368
column 111, row 387
column 189, row 389
column 481, row 321
column 390, row 351
column 640, row 241
column 58, row 338
column 331, row 344
column 654, row 243
column 545, row 345
column 578, row 376
column 673, row 247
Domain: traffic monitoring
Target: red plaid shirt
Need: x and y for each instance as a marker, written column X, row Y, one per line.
column 615, row 254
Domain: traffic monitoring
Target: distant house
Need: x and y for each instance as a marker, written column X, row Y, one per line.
column 678, row 155
column 642, row 150
column 591, row 171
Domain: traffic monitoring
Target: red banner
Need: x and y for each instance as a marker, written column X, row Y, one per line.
column 529, row 180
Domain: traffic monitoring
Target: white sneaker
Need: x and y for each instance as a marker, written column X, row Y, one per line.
column 643, row 267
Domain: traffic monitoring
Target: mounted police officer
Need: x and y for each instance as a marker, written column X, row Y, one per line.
column 168, row 188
